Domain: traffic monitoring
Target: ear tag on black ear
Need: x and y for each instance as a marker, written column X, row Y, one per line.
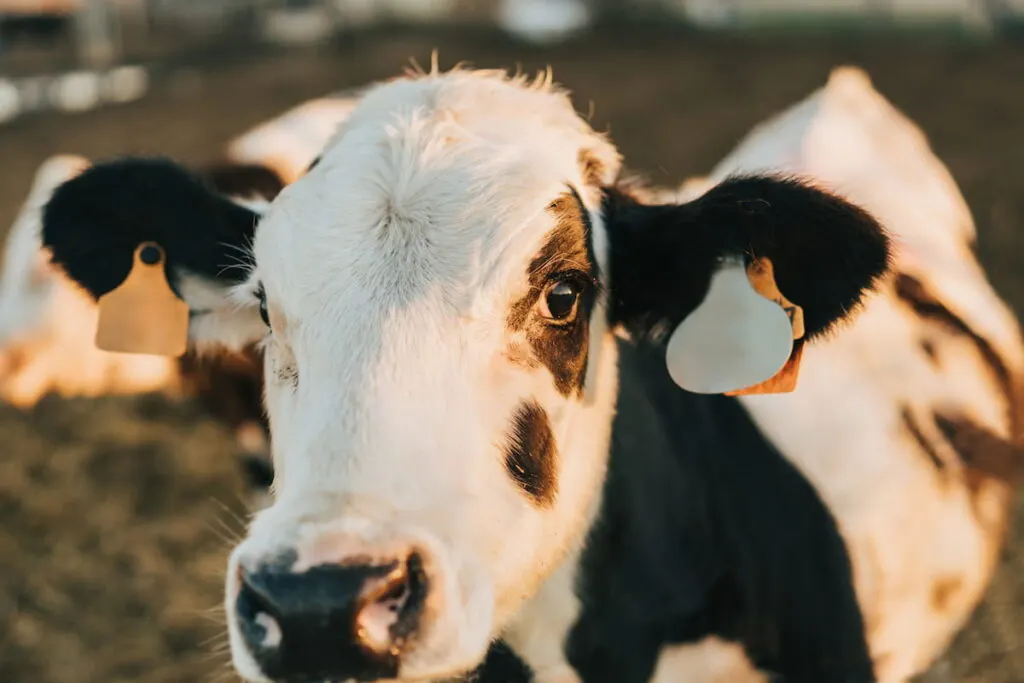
column 740, row 337
column 143, row 314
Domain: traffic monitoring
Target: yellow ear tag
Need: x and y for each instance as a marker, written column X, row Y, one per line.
column 761, row 274
column 143, row 314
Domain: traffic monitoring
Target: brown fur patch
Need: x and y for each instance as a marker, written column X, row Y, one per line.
column 992, row 464
column 912, row 426
column 230, row 384
column 913, row 292
column 929, row 350
column 566, row 253
column 531, row 456
column 517, row 354
column 943, row 592
column 986, row 455
column 993, row 467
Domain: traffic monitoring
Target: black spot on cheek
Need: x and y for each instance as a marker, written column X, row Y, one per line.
column 531, row 455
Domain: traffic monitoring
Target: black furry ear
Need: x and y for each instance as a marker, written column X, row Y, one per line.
column 94, row 222
column 827, row 253
column 246, row 181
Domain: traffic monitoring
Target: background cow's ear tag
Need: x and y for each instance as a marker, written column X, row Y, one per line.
column 143, row 315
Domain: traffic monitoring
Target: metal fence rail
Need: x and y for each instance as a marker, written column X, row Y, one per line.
column 72, row 55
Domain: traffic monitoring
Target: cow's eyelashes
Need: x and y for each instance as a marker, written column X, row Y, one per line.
column 261, row 294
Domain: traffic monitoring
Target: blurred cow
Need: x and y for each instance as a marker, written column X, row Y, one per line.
column 47, row 323
column 932, row 367
column 464, row 313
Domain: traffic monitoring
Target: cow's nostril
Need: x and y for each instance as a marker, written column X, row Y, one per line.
column 256, row 617
column 331, row 621
column 391, row 610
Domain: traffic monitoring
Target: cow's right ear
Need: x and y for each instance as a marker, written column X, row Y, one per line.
column 94, row 223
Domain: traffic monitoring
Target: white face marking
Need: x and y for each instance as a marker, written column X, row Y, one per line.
column 392, row 272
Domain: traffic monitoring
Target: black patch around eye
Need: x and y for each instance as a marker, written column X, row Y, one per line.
column 531, row 454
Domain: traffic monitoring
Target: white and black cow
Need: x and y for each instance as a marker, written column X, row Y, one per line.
column 47, row 323
column 464, row 312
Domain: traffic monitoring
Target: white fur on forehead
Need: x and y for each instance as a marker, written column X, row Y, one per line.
column 440, row 175
column 496, row 108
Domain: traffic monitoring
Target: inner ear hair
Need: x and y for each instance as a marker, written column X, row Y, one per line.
column 827, row 252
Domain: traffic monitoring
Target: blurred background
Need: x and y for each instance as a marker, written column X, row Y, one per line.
column 116, row 513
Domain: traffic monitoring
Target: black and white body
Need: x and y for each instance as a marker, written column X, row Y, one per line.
column 464, row 313
column 917, row 456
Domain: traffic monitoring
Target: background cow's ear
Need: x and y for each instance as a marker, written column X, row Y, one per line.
column 93, row 224
column 826, row 253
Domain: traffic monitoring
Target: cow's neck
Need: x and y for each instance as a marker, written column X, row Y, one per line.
column 695, row 503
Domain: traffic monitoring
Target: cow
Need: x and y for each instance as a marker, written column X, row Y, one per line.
column 483, row 462
column 48, row 326
column 47, row 323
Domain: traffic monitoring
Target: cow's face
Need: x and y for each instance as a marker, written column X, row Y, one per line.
column 435, row 300
column 432, row 292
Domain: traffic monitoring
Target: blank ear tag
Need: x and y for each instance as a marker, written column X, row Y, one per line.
column 783, row 382
column 143, row 315
column 736, row 338
column 762, row 277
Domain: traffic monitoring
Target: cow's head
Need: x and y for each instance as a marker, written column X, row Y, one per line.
column 437, row 300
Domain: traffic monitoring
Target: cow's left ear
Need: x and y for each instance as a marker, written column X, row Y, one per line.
column 681, row 269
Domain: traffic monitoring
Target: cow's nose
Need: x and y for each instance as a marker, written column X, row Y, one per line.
column 331, row 622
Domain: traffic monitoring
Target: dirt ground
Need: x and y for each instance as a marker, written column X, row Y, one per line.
column 115, row 515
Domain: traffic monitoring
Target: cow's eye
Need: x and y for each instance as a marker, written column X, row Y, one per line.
column 560, row 301
column 262, row 296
